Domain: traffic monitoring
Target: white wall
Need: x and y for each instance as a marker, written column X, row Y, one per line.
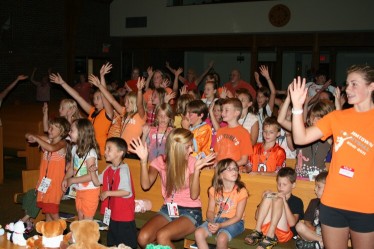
column 245, row 17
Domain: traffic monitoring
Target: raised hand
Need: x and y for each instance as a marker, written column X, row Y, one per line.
column 169, row 96
column 223, row 94
column 206, row 161
column 298, row 92
column 56, row 78
column 150, row 71
column 140, row 149
column 140, row 84
column 22, row 77
column 183, row 90
column 211, row 64
column 165, row 83
column 105, row 69
column 94, row 80
column 45, row 108
column 264, row 70
column 178, row 72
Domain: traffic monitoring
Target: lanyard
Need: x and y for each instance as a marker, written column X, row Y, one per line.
column 221, row 207
column 162, row 138
column 126, row 123
column 267, row 154
column 84, row 159
column 197, row 127
column 245, row 119
column 49, row 155
column 110, row 186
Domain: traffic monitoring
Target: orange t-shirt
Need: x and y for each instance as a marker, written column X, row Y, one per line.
column 203, row 137
column 233, row 143
column 228, row 201
column 131, row 127
column 115, row 126
column 273, row 158
column 350, row 182
column 101, row 125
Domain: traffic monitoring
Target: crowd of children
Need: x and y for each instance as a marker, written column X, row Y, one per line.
column 232, row 129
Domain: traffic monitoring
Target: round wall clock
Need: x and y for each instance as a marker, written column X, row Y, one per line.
column 279, row 15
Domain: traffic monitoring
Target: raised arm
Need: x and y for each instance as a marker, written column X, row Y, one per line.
column 201, row 77
column 195, row 177
column 338, row 99
column 282, row 115
column 300, row 134
column 139, row 99
column 42, row 141
column 147, row 175
column 265, row 72
column 149, row 78
column 213, row 119
column 32, row 78
column 181, row 78
column 105, row 69
column 45, row 117
column 57, row 79
column 95, row 81
column 5, row 92
column 177, row 73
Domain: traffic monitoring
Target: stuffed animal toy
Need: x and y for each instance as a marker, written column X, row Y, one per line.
column 16, row 233
column 1, row 231
column 85, row 235
column 52, row 235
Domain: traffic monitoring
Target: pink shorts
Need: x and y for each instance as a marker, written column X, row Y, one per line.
column 87, row 201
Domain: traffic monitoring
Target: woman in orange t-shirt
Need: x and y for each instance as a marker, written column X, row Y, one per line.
column 347, row 204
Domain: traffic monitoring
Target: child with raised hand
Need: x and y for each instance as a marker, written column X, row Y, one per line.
column 52, row 166
column 265, row 99
column 278, row 213
column 155, row 136
column 100, row 114
column 215, row 119
column 248, row 119
column 180, row 176
column 133, row 113
column 310, row 229
column 227, row 200
column 68, row 109
column 117, row 194
column 85, row 153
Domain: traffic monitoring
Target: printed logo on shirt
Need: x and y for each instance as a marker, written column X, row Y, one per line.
column 229, row 137
column 355, row 141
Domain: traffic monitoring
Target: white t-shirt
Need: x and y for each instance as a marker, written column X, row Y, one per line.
column 314, row 88
column 83, row 170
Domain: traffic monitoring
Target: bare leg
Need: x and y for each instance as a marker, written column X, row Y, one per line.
column 175, row 230
column 334, row 237
column 222, row 241
column 362, row 240
column 307, row 233
column 263, row 212
column 200, row 237
column 55, row 216
column 277, row 215
column 148, row 232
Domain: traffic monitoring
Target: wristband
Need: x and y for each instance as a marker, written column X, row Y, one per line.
column 297, row 112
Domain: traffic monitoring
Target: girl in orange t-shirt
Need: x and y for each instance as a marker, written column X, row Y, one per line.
column 52, row 166
column 227, row 200
column 346, row 209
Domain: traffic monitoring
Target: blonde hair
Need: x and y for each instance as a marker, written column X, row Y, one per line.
column 71, row 104
column 175, row 158
column 132, row 97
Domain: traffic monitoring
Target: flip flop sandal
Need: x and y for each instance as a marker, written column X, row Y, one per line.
column 269, row 243
column 304, row 244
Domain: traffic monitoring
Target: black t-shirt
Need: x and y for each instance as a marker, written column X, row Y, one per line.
column 297, row 207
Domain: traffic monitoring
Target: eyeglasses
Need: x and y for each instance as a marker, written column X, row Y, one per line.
column 232, row 169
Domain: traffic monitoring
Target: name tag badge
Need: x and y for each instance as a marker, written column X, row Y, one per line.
column 106, row 219
column 347, row 171
column 173, row 210
column 44, row 185
column 72, row 191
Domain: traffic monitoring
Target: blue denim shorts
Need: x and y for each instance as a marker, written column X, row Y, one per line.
column 192, row 213
column 231, row 231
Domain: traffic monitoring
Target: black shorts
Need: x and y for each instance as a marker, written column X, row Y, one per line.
column 122, row 232
column 358, row 222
